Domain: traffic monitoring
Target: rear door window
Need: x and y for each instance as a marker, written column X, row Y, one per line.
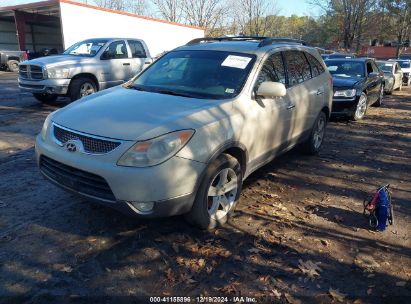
column 137, row 49
column 116, row 50
column 298, row 68
column 316, row 67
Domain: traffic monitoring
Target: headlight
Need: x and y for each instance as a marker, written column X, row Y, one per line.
column 345, row 93
column 155, row 151
column 58, row 73
column 45, row 126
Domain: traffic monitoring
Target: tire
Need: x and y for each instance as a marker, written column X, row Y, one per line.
column 208, row 210
column 80, row 87
column 45, row 98
column 361, row 108
column 13, row 65
column 380, row 99
column 313, row 143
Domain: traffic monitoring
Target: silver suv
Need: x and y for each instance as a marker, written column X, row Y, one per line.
column 181, row 136
column 84, row 68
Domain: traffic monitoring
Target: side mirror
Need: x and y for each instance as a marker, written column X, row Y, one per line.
column 373, row 74
column 271, row 89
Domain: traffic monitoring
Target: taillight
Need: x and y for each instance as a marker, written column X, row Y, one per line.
column 25, row 56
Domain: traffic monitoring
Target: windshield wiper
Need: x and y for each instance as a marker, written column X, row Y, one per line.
column 170, row 92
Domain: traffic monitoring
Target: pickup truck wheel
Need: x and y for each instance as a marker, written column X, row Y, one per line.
column 218, row 193
column 313, row 144
column 13, row 65
column 45, row 98
column 81, row 87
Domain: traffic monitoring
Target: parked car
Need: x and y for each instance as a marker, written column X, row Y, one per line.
column 392, row 75
column 180, row 137
column 405, row 65
column 358, row 83
column 10, row 60
column 84, row 68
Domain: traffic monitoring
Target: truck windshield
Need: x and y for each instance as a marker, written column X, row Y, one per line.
column 87, row 48
column 197, row 74
column 386, row 67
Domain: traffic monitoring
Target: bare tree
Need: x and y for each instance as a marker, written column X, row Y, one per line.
column 250, row 16
column 400, row 11
column 205, row 13
column 171, row 10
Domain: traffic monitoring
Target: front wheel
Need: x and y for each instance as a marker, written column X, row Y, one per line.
column 218, row 193
column 81, row 87
column 313, row 144
column 380, row 99
column 361, row 108
column 45, row 98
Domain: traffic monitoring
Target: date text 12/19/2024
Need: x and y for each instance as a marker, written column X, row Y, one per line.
column 203, row 299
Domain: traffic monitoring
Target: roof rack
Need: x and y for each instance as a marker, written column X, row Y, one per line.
column 264, row 41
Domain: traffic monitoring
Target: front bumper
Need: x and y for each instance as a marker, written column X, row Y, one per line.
column 344, row 106
column 171, row 185
column 46, row 86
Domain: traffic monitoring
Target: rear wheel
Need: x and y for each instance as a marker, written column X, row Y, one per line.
column 45, row 98
column 13, row 65
column 218, row 193
column 313, row 144
column 81, row 87
column 361, row 107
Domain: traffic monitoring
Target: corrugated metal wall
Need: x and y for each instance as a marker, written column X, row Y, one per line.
column 38, row 37
column 8, row 38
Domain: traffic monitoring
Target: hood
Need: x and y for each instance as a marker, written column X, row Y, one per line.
column 128, row 114
column 58, row 60
column 345, row 82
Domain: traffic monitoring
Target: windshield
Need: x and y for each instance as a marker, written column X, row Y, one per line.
column 199, row 74
column 386, row 67
column 404, row 64
column 87, row 48
column 345, row 68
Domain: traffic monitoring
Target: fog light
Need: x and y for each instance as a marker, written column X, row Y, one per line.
column 143, row 207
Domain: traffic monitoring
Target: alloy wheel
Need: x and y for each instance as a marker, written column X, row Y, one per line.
column 319, row 132
column 222, row 193
column 86, row 89
column 361, row 107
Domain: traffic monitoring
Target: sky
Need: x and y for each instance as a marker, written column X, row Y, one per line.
column 286, row 7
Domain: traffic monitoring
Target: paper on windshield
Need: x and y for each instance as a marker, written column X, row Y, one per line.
column 238, row 62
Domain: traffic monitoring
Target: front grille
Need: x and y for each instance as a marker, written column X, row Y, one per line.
column 77, row 180
column 29, row 71
column 90, row 144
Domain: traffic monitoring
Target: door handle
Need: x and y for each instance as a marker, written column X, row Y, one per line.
column 319, row 92
column 126, row 63
column 291, row 106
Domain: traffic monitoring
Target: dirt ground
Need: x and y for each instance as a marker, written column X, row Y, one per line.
column 298, row 235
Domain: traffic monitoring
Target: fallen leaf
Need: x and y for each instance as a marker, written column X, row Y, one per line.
column 108, row 269
column 401, row 283
column 338, row 218
column 291, row 300
column 358, row 301
column 369, row 291
column 325, row 242
column 201, row 263
column 336, row 294
column 310, row 269
column 276, row 293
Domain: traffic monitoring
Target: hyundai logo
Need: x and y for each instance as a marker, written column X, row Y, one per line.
column 71, row 146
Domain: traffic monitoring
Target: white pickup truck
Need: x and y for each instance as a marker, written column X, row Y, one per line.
column 84, row 68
